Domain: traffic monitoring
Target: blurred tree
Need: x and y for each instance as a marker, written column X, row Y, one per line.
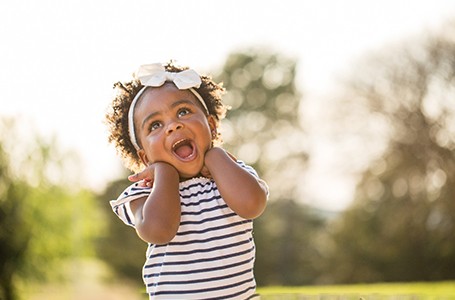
column 43, row 220
column 263, row 128
column 401, row 226
column 120, row 247
column 287, row 238
column 13, row 242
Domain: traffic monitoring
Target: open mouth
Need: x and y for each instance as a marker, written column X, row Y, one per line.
column 184, row 149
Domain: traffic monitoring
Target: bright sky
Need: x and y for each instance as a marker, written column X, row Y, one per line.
column 59, row 59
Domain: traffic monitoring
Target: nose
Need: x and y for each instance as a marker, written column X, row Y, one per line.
column 173, row 126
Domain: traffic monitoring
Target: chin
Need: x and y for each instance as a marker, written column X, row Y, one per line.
column 189, row 175
column 189, row 170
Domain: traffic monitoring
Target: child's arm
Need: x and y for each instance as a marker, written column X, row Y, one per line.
column 158, row 216
column 241, row 190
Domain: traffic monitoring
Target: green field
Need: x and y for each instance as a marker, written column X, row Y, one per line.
column 93, row 280
column 391, row 291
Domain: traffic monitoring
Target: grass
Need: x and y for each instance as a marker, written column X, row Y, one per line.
column 89, row 280
column 92, row 280
column 383, row 291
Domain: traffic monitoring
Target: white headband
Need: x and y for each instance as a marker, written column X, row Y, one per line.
column 155, row 75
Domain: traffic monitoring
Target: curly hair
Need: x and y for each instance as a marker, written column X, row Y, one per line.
column 117, row 115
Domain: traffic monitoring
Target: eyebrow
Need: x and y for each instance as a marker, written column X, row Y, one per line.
column 173, row 105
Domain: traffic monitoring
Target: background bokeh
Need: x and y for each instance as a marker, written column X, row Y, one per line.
column 345, row 108
column 59, row 60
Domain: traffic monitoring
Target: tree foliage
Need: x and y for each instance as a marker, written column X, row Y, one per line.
column 13, row 243
column 287, row 238
column 401, row 226
column 43, row 220
column 120, row 247
column 263, row 128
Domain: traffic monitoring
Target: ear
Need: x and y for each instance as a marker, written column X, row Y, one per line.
column 143, row 156
column 212, row 123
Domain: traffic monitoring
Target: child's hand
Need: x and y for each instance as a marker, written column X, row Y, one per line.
column 145, row 177
column 214, row 149
column 205, row 171
column 231, row 156
column 240, row 189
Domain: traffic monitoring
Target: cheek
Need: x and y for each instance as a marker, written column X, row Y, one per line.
column 153, row 148
column 206, row 131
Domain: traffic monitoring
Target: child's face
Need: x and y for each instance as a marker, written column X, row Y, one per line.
column 173, row 128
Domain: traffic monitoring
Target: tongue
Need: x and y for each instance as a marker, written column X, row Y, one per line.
column 184, row 151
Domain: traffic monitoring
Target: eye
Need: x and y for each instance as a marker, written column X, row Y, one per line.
column 155, row 125
column 183, row 112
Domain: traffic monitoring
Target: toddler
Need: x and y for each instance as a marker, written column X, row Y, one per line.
column 191, row 201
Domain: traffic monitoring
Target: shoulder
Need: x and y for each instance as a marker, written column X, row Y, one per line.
column 121, row 206
column 248, row 168
column 254, row 173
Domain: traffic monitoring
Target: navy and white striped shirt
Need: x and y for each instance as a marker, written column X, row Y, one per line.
column 213, row 252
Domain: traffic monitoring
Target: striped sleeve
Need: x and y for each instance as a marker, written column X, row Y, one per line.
column 121, row 206
column 253, row 172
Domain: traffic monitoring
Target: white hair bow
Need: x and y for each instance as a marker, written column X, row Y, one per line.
column 155, row 75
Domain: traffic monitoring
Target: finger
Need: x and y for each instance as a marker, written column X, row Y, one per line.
column 142, row 183
column 133, row 178
column 205, row 172
column 231, row 156
column 143, row 175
